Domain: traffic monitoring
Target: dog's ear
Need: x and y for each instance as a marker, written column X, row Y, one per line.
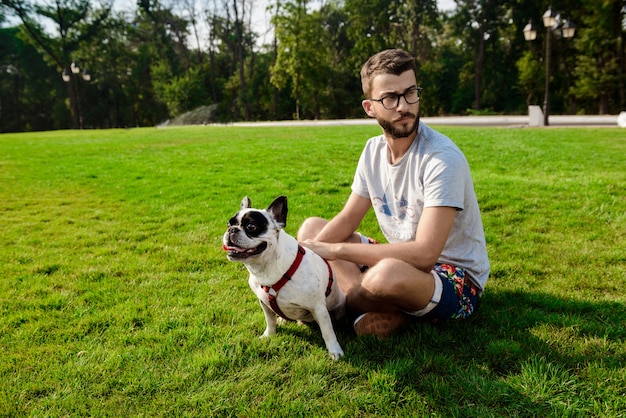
column 245, row 203
column 278, row 210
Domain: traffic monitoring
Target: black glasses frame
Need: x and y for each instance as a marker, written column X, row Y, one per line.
column 398, row 96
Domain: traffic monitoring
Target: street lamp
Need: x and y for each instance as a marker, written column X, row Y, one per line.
column 530, row 32
column 549, row 18
column 67, row 76
column 550, row 21
column 568, row 29
column 74, row 69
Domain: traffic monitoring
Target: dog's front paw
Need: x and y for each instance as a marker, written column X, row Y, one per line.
column 268, row 333
column 335, row 351
column 336, row 355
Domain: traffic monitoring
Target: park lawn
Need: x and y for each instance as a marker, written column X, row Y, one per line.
column 117, row 300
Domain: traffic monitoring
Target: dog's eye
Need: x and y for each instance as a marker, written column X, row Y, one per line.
column 251, row 227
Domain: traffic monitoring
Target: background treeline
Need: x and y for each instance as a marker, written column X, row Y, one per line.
column 156, row 60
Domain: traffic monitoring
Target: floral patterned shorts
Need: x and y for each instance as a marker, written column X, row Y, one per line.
column 459, row 295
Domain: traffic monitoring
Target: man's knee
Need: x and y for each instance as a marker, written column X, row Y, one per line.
column 310, row 228
column 387, row 276
column 378, row 278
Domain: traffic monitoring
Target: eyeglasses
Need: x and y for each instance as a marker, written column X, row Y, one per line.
column 391, row 101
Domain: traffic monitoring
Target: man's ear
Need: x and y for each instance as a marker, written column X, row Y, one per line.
column 367, row 106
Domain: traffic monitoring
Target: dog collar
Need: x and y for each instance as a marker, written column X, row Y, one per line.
column 272, row 291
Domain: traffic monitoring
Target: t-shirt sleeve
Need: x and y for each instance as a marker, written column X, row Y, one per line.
column 359, row 184
column 445, row 180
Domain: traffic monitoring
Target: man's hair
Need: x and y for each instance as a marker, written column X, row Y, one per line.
column 389, row 61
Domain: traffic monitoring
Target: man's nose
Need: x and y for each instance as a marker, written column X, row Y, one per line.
column 402, row 103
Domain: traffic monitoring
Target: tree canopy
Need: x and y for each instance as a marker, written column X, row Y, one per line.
column 88, row 64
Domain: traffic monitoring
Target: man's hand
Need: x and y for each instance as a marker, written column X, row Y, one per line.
column 323, row 249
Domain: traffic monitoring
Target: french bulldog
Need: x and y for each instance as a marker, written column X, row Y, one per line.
column 290, row 282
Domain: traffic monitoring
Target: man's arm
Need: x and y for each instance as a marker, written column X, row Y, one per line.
column 432, row 233
column 345, row 223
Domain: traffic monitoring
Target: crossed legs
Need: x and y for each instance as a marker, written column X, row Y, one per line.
column 391, row 285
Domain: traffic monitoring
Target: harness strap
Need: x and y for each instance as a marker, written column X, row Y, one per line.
column 271, row 296
column 272, row 291
column 292, row 270
column 273, row 304
column 330, row 278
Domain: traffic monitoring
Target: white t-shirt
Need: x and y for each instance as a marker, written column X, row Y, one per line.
column 433, row 172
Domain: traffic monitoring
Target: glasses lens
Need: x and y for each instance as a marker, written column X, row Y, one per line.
column 412, row 96
column 391, row 101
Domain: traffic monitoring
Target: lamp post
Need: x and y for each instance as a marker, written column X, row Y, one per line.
column 68, row 75
column 550, row 21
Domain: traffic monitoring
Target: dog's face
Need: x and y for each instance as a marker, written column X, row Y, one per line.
column 252, row 232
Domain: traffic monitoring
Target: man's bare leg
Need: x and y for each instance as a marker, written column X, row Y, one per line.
column 383, row 291
column 348, row 274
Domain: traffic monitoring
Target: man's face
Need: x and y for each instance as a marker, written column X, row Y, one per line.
column 400, row 122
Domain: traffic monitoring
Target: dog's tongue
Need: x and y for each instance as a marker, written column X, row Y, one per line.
column 233, row 249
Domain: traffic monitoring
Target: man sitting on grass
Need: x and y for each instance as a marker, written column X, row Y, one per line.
column 435, row 265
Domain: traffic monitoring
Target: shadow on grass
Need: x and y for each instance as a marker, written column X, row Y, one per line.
column 521, row 354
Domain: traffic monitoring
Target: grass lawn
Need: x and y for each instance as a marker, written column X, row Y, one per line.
column 117, row 300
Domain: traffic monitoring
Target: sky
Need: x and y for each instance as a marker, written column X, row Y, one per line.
column 260, row 17
column 446, row 4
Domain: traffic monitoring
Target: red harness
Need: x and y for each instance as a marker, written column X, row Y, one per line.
column 272, row 291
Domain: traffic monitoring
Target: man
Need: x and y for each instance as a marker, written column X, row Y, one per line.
column 435, row 263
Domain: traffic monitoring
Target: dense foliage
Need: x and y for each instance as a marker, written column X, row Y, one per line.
column 152, row 62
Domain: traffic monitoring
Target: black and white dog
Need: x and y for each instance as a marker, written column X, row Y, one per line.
column 290, row 282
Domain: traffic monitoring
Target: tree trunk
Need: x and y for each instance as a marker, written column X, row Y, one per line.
column 480, row 59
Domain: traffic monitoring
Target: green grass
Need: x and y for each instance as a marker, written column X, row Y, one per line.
column 117, row 300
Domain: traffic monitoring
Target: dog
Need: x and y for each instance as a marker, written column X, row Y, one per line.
column 290, row 281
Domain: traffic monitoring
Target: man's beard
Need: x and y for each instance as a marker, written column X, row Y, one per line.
column 402, row 131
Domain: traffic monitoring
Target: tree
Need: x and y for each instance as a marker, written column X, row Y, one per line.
column 481, row 23
column 600, row 67
column 30, row 90
column 370, row 28
column 439, row 75
column 144, row 70
column 528, row 67
column 115, row 65
column 339, row 98
column 231, row 35
column 161, row 38
column 74, row 22
column 302, row 58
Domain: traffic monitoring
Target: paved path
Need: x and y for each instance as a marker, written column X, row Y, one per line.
column 511, row 121
column 522, row 121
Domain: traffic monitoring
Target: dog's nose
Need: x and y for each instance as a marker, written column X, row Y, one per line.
column 233, row 229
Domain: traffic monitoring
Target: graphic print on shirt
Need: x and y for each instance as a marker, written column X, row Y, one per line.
column 397, row 217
